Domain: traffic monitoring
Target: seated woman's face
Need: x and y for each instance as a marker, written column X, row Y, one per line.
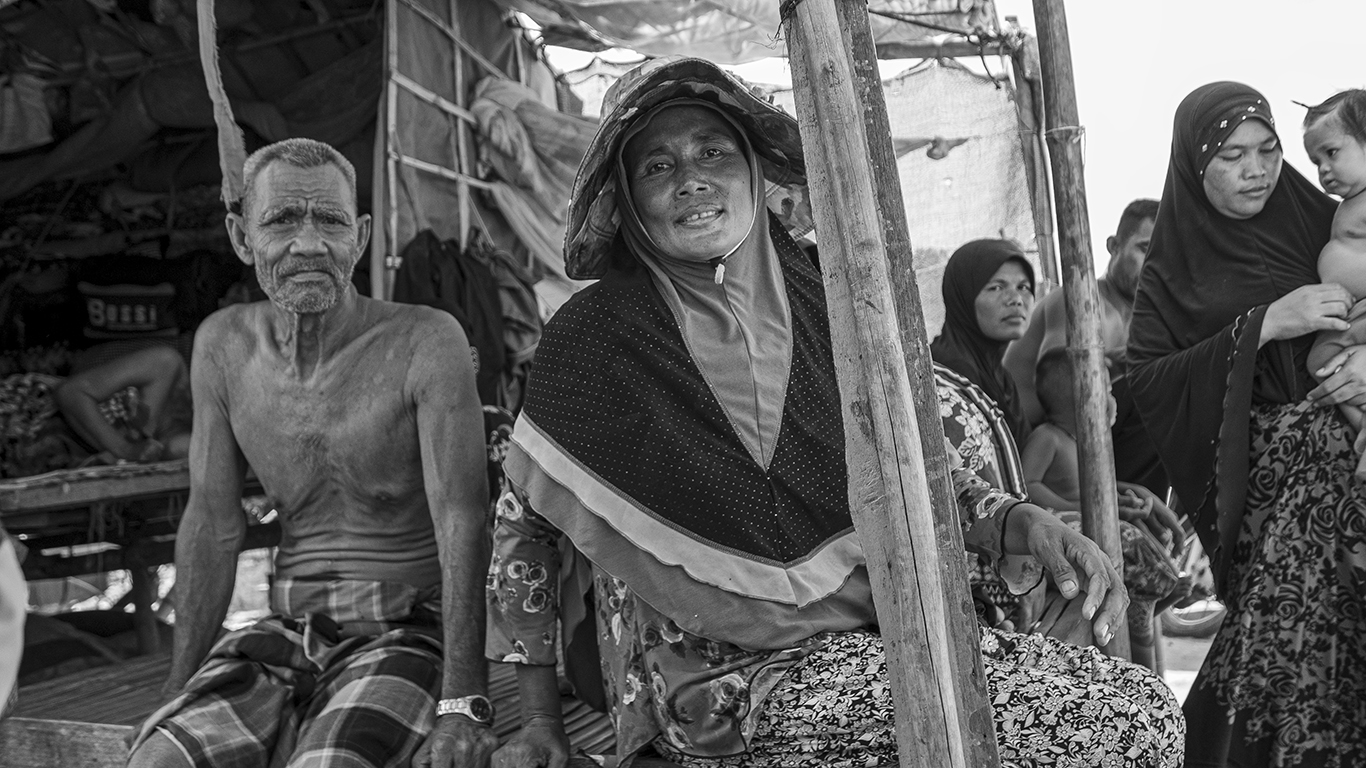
column 1004, row 303
column 1243, row 173
column 691, row 183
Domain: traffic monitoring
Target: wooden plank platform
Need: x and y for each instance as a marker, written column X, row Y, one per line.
column 82, row 719
column 93, row 485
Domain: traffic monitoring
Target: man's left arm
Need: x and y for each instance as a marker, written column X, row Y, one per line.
column 450, row 427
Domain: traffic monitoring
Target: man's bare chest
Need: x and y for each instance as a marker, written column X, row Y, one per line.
column 337, row 422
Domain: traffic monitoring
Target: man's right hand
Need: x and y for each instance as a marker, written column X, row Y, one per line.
column 541, row 743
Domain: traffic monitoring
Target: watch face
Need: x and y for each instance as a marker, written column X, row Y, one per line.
column 480, row 709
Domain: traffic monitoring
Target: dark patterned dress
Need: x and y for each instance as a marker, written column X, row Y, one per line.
column 1295, row 667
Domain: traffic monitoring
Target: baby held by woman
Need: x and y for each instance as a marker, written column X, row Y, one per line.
column 1335, row 138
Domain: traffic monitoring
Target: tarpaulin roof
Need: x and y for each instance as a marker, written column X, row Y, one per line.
column 732, row 31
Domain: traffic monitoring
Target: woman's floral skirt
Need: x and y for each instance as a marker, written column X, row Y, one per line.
column 1053, row 704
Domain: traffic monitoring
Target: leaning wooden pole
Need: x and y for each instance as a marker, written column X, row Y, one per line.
column 1099, row 505
column 919, row 584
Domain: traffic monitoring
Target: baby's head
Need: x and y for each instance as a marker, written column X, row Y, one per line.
column 1335, row 138
column 1053, row 382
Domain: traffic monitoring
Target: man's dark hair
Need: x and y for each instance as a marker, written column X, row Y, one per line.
column 1053, row 378
column 1349, row 107
column 1135, row 213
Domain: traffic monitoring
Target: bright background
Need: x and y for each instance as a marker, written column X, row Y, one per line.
column 1134, row 62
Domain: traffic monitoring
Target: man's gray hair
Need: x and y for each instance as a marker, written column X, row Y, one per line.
column 300, row 153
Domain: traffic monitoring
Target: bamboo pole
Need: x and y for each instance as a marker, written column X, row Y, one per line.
column 384, row 289
column 1099, row 507
column 462, row 190
column 1024, row 59
column 915, row 560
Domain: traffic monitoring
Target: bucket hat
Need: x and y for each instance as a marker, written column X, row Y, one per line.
column 593, row 216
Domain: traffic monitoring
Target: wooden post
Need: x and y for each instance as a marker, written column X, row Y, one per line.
column 144, row 593
column 1099, row 506
column 914, row 547
column 384, row 288
column 460, row 139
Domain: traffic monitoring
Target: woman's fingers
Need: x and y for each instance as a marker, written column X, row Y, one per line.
column 1106, row 599
column 1334, row 363
column 1049, row 552
column 1348, row 382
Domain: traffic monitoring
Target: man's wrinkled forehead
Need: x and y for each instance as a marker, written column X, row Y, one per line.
column 281, row 184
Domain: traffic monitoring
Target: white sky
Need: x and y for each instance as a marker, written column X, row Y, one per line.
column 1134, row 62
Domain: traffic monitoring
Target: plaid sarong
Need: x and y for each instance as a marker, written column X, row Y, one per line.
column 356, row 680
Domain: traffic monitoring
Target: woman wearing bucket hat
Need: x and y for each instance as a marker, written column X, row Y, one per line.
column 678, row 493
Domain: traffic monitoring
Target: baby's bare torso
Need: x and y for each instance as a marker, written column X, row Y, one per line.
column 1343, row 259
column 336, row 449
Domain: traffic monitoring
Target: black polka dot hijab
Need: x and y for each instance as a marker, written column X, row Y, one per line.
column 1203, row 268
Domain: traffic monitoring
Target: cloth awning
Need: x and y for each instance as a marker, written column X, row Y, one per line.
column 732, row 31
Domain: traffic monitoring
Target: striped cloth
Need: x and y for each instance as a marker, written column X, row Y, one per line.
column 354, row 686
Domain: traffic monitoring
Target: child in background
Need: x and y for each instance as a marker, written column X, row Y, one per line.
column 1051, row 469
column 1335, row 138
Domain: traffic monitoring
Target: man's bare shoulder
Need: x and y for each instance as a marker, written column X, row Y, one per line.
column 415, row 327
column 229, row 333
column 431, row 339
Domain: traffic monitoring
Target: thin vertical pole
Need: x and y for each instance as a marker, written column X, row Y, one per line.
column 1099, row 505
column 386, row 287
column 938, row 702
column 462, row 189
column 1024, row 61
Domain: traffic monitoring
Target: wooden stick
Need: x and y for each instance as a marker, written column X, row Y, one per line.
column 384, row 288
column 1090, row 383
column 937, row 701
column 462, row 190
column 1025, row 63
column 979, row 731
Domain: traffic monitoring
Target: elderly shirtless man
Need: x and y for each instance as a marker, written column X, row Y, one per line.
column 361, row 420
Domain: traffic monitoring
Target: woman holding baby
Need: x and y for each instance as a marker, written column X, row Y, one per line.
column 1227, row 309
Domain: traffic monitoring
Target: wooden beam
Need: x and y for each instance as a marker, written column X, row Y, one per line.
column 947, row 49
column 920, row 592
column 26, row 741
column 431, row 97
column 1099, row 504
column 148, row 552
column 445, row 173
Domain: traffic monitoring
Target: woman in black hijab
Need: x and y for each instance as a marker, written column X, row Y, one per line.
column 1225, row 314
column 988, row 293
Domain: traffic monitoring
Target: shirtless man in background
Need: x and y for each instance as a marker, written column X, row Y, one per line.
column 364, row 427
column 1136, row 459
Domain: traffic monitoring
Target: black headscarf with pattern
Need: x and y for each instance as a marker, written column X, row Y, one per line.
column 1208, row 279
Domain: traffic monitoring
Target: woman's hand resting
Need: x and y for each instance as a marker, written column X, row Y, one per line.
column 1346, row 382
column 1309, row 308
column 1075, row 562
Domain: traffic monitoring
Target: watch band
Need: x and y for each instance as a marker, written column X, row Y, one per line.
column 477, row 708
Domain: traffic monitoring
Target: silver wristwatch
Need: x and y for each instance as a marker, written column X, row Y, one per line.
column 477, row 708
